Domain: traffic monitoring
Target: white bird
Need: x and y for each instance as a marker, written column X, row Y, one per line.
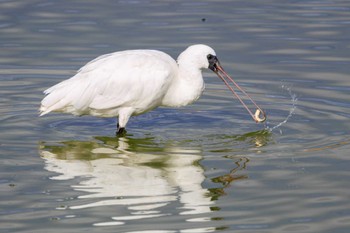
column 132, row 82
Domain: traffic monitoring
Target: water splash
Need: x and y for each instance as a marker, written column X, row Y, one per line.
column 294, row 101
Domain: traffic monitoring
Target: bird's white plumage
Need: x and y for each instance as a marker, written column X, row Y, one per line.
column 130, row 83
column 129, row 78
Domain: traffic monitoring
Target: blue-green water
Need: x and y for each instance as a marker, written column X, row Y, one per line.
column 202, row 168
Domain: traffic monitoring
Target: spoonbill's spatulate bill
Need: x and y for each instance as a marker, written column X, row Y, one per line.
column 132, row 82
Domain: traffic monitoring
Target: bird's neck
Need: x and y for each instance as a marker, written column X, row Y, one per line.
column 187, row 86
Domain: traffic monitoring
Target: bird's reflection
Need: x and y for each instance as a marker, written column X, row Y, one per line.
column 116, row 172
column 138, row 174
column 230, row 177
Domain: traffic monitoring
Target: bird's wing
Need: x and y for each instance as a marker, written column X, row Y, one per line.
column 110, row 81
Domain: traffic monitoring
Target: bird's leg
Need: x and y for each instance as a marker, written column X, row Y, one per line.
column 121, row 131
column 124, row 115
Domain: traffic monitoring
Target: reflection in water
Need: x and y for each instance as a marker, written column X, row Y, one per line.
column 138, row 174
column 149, row 178
column 256, row 139
column 253, row 141
column 228, row 178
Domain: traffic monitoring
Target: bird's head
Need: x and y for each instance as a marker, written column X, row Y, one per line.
column 196, row 55
column 205, row 57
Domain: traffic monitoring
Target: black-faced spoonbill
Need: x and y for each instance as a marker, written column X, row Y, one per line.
column 132, row 82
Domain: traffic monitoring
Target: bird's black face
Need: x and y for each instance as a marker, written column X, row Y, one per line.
column 213, row 62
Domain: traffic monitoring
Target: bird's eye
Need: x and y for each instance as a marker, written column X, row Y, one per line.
column 209, row 56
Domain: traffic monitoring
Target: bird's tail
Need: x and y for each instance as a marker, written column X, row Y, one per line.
column 54, row 101
column 71, row 96
column 56, row 98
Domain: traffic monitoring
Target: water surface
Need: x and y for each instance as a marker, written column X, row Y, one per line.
column 202, row 168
